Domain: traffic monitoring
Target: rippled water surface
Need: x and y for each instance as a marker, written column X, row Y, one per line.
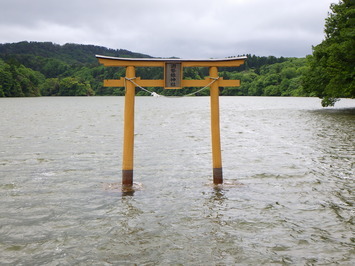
column 288, row 166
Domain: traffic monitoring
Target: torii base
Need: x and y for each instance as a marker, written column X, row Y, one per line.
column 127, row 178
column 217, row 176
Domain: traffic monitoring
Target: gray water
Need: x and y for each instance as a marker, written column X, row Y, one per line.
column 288, row 166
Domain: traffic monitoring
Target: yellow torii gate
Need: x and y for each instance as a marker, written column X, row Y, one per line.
column 173, row 79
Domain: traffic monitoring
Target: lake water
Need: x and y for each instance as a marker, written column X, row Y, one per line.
column 288, row 166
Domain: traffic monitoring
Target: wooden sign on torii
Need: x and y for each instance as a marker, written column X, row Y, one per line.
column 173, row 79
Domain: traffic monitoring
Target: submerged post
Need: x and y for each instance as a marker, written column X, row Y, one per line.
column 128, row 135
column 215, row 129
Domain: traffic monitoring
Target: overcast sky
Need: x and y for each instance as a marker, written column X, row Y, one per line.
column 165, row 28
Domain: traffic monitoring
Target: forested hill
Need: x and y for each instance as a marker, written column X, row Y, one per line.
column 47, row 69
column 68, row 53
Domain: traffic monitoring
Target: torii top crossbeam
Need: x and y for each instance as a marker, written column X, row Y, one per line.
column 173, row 70
column 160, row 62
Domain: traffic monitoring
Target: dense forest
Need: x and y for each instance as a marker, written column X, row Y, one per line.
column 331, row 72
column 48, row 69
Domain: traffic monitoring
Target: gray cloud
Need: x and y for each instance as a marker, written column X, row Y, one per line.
column 183, row 28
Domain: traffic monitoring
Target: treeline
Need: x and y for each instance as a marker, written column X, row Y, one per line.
column 32, row 53
column 280, row 77
column 277, row 79
column 16, row 80
column 19, row 81
column 47, row 69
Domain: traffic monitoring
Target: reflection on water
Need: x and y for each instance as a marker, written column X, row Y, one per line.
column 288, row 196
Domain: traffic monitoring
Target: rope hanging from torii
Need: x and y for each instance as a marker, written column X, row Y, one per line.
column 154, row 94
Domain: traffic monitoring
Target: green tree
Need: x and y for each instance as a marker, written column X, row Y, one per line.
column 18, row 81
column 50, row 87
column 53, row 68
column 71, row 86
column 331, row 72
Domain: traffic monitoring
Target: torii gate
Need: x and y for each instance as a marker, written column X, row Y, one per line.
column 173, row 79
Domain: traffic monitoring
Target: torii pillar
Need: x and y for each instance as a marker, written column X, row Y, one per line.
column 215, row 129
column 128, row 133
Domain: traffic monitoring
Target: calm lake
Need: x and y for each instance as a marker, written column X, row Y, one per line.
column 288, row 166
